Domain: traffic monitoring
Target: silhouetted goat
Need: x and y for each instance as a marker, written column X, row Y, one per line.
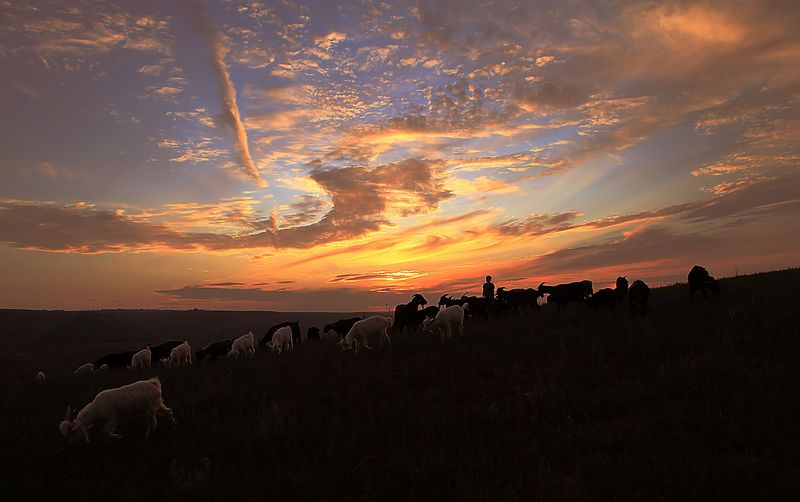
column 608, row 297
column 162, row 351
column 638, row 295
column 342, row 326
column 405, row 314
column 516, row 298
column 700, row 280
column 215, row 350
column 562, row 294
column 267, row 338
column 115, row 361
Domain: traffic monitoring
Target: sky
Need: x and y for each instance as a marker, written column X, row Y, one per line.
column 340, row 156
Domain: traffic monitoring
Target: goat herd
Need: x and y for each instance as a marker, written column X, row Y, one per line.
column 143, row 398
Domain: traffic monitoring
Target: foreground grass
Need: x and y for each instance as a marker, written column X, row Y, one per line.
column 698, row 401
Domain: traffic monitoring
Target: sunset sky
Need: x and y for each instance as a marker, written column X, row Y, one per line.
column 330, row 156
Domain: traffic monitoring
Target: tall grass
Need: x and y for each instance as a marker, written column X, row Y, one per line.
column 697, row 401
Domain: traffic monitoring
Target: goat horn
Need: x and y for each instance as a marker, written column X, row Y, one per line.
column 69, row 412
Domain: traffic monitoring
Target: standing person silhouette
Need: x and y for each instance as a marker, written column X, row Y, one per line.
column 488, row 288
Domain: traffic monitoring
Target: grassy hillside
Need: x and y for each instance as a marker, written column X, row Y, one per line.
column 697, row 401
column 58, row 341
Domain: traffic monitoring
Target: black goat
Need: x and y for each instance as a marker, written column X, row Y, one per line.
column 115, row 361
column 516, row 298
column 563, row 294
column 449, row 301
column 215, row 350
column 313, row 333
column 262, row 343
column 405, row 314
column 700, row 280
column 608, row 297
column 425, row 313
column 638, row 294
column 341, row 327
column 418, row 316
column 478, row 306
column 162, row 351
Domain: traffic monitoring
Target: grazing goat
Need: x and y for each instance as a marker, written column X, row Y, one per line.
column 700, row 280
column 608, row 297
column 294, row 325
column 243, row 346
column 109, row 407
column 563, row 294
column 84, row 369
column 405, row 314
column 180, row 355
column 282, row 339
column 141, row 359
column 478, row 306
column 312, row 333
column 115, row 361
column 40, row 377
column 215, row 350
column 161, row 351
column 429, row 311
column 638, row 294
column 417, row 317
column 449, row 301
column 375, row 328
column 447, row 321
column 341, row 327
column 516, row 298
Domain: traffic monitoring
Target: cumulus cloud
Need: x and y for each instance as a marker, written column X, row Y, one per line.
column 548, row 96
column 306, row 209
column 227, row 92
column 362, row 198
column 82, row 228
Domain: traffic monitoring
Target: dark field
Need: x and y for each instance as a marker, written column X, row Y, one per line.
column 699, row 401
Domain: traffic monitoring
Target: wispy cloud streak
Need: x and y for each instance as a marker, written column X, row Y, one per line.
column 227, row 92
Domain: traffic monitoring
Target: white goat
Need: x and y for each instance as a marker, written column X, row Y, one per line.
column 111, row 406
column 280, row 339
column 448, row 321
column 244, row 346
column 40, row 376
column 375, row 328
column 141, row 359
column 84, row 369
column 179, row 355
